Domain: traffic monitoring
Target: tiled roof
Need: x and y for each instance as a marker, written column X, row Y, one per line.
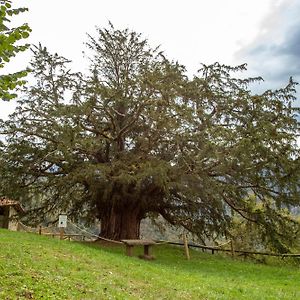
column 8, row 202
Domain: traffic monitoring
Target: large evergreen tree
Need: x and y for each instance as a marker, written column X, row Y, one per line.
column 138, row 137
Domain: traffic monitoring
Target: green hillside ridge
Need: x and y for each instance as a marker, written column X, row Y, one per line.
column 39, row 267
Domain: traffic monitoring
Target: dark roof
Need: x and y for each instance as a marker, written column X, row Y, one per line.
column 8, row 202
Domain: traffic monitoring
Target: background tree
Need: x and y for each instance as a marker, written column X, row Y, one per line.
column 138, row 137
column 9, row 48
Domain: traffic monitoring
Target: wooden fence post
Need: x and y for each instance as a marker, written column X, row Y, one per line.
column 61, row 233
column 232, row 248
column 40, row 230
column 186, row 247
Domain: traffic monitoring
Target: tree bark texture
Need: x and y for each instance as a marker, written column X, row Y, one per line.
column 118, row 224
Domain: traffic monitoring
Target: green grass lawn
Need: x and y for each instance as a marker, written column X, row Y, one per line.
column 39, row 267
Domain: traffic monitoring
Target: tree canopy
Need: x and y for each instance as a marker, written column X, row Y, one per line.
column 9, row 47
column 138, row 137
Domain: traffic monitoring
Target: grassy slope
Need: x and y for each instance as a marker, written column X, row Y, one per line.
column 37, row 267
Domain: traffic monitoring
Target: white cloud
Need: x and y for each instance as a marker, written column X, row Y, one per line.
column 275, row 52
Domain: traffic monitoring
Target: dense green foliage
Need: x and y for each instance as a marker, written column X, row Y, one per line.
column 37, row 267
column 9, row 36
column 137, row 137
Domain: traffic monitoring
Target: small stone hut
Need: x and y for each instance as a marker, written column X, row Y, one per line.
column 10, row 211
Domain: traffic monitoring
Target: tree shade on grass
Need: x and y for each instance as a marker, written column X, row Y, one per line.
column 137, row 137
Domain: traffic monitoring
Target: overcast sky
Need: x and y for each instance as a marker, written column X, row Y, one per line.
column 263, row 33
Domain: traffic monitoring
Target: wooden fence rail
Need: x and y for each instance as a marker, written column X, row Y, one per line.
column 242, row 252
column 213, row 249
column 65, row 235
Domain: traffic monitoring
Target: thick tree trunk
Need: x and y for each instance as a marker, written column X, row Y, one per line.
column 121, row 224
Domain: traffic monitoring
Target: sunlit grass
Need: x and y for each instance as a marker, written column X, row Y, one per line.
column 39, row 267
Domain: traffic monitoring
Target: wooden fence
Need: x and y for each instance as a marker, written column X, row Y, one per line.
column 233, row 251
column 214, row 249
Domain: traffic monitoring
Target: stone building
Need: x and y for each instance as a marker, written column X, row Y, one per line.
column 10, row 211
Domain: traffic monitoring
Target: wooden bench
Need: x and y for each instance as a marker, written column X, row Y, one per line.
column 146, row 243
